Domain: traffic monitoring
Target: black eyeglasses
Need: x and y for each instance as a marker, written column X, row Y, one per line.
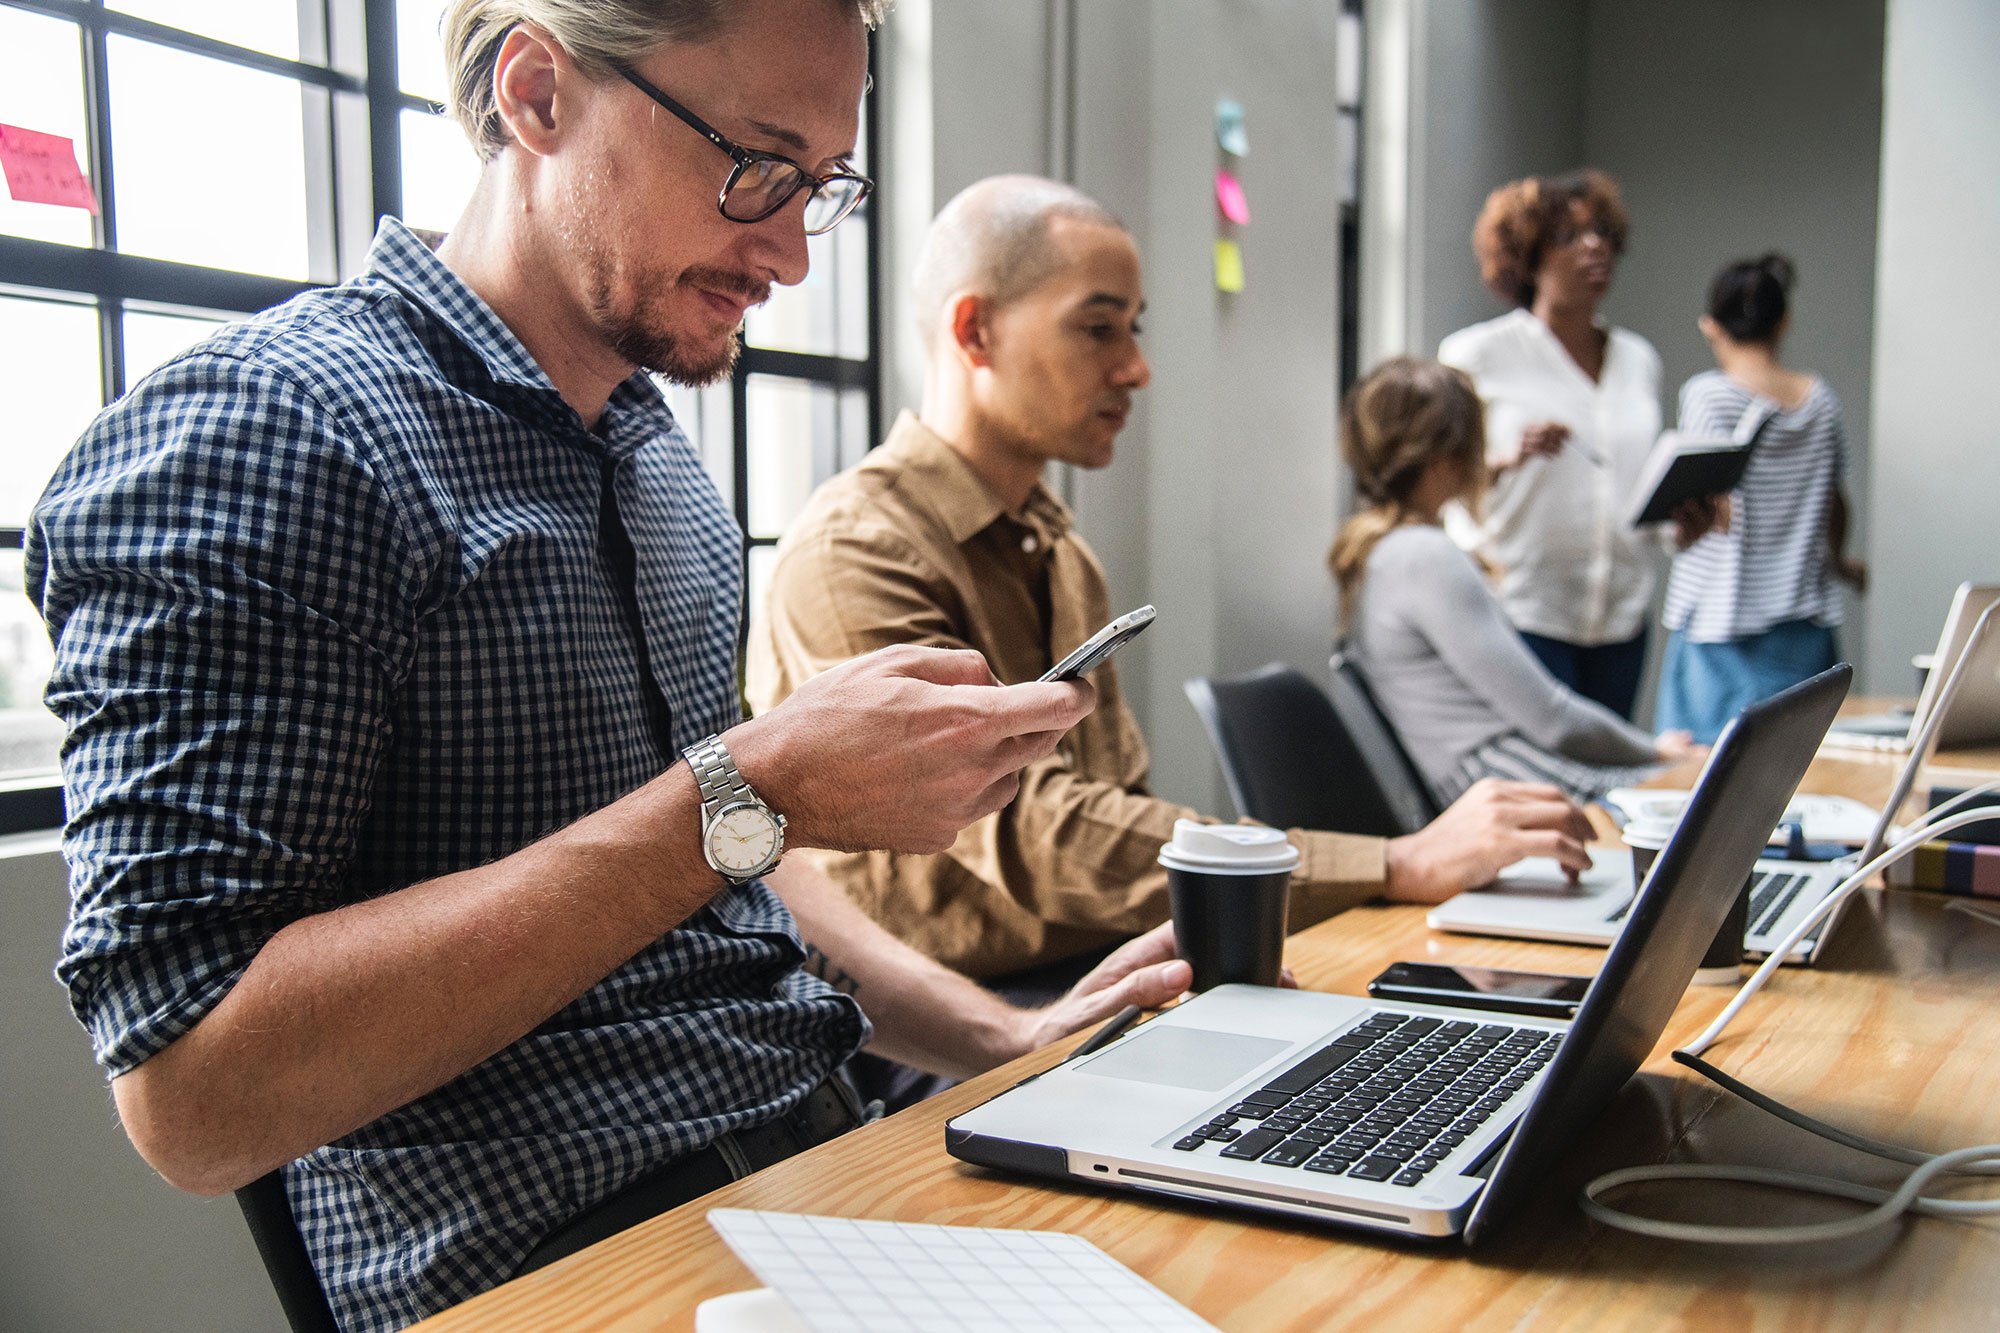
column 763, row 183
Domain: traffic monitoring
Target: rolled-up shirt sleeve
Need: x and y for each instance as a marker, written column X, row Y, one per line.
column 227, row 592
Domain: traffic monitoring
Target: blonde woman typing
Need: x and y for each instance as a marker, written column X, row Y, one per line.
column 1461, row 689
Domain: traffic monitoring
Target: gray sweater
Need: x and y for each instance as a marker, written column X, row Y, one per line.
column 1452, row 673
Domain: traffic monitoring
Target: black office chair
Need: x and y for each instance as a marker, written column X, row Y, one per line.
column 1286, row 757
column 1403, row 787
column 283, row 1251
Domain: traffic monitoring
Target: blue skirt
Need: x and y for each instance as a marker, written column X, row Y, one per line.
column 1703, row 685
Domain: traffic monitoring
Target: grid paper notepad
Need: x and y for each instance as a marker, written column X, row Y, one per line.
column 845, row 1276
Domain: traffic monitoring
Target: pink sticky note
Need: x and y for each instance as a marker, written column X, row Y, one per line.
column 41, row 169
column 1229, row 194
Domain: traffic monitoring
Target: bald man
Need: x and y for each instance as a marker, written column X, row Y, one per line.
column 1028, row 300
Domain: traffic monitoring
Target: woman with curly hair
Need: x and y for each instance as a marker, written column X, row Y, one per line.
column 1465, row 695
column 1572, row 407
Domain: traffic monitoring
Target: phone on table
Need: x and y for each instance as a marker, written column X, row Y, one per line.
column 1093, row 651
column 1541, row 994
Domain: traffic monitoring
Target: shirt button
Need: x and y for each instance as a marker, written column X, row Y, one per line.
column 1028, row 543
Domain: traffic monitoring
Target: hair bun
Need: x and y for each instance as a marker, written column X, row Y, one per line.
column 1780, row 268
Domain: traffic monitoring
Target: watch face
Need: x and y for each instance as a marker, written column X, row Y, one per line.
column 742, row 839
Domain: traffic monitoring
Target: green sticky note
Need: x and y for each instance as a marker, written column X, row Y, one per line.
column 1228, row 266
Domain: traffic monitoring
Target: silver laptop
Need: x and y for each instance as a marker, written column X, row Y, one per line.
column 1974, row 715
column 1418, row 1119
column 1534, row 900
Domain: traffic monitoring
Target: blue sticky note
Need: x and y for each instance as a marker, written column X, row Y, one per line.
column 1229, row 130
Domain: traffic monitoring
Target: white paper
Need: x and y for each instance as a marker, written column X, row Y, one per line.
column 841, row 1275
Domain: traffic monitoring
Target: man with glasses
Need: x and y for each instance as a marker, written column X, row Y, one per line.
column 383, row 623
column 1028, row 302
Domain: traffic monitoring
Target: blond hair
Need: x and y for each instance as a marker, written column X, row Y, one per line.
column 599, row 35
column 1396, row 421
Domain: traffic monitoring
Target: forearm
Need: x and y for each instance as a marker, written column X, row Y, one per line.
column 346, row 1015
column 924, row 1013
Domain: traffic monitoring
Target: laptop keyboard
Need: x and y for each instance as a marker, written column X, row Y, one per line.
column 1771, row 892
column 1386, row 1101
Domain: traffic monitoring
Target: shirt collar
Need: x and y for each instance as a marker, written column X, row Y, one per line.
column 399, row 257
column 958, row 495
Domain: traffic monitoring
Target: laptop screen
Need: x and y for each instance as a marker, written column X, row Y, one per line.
column 1743, row 791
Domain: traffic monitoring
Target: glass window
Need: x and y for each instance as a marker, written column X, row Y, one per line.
column 152, row 340
column 52, row 385
column 827, row 314
column 800, row 433
column 43, row 90
column 270, row 26
column 439, row 171
column 420, row 67
column 30, row 735
column 757, row 581
column 705, row 417
column 230, row 194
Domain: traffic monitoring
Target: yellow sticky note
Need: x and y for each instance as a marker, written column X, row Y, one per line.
column 1228, row 266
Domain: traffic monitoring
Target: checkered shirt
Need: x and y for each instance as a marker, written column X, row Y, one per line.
column 332, row 617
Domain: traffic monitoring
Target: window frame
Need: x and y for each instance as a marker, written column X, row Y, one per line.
column 353, row 150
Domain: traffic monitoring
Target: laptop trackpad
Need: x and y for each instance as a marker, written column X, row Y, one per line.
column 1185, row 1058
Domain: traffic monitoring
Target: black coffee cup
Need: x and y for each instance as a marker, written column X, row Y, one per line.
column 1722, row 965
column 1230, row 887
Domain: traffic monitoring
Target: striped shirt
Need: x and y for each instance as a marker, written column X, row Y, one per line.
column 1773, row 564
column 333, row 616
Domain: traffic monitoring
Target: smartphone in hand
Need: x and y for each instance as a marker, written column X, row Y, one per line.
column 1092, row 653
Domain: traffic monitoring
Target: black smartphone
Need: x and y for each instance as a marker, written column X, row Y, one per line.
column 1090, row 654
column 1542, row 994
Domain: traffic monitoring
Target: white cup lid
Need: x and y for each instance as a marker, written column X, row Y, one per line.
column 1229, row 849
column 1651, row 833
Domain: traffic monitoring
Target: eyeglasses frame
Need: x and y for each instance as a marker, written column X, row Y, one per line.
column 745, row 158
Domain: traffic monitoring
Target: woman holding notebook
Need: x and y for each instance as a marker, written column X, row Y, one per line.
column 1572, row 409
column 1752, row 602
column 1460, row 688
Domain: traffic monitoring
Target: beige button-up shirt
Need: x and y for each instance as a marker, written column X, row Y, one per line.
column 911, row 547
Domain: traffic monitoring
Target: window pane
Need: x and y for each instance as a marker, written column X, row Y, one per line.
column 800, row 434
column 439, row 171
column 827, row 314
column 270, row 26
column 232, row 196
column 153, row 340
column 43, row 91
column 705, row 418
column 30, row 736
column 420, row 49
column 49, row 380
column 762, row 560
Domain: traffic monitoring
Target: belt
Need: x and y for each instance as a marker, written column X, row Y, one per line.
column 828, row 1111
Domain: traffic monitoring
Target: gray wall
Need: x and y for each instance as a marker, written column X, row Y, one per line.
column 1937, row 466
column 1503, row 84
column 90, row 1238
column 1223, row 497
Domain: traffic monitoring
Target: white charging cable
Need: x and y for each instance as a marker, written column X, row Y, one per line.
column 1889, row 1204
column 1912, row 840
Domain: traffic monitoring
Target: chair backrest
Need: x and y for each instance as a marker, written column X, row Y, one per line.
column 1286, row 757
column 283, row 1251
column 1402, row 784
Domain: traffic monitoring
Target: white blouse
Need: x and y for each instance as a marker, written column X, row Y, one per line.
column 1570, row 567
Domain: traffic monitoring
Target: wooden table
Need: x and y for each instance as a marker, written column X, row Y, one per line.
column 1892, row 1036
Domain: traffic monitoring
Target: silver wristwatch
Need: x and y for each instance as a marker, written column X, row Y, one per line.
column 741, row 837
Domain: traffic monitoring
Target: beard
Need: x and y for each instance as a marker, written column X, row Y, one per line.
column 639, row 332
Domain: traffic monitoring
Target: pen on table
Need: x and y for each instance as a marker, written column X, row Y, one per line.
column 1109, row 1033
